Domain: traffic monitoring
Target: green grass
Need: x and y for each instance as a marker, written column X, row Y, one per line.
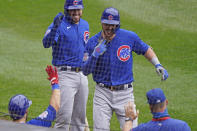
column 176, row 14
column 168, row 26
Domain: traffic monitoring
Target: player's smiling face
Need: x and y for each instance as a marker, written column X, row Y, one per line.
column 75, row 15
column 108, row 30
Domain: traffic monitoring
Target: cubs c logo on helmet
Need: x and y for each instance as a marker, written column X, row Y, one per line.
column 110, row 17
column 75, row 2
column 86, row 36
column 123, row 53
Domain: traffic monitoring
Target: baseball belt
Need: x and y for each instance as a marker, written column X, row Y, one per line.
column 69, row 68
column 117, row 87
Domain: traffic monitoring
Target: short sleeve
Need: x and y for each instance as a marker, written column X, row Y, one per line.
column 45, row 119
column 139, row 47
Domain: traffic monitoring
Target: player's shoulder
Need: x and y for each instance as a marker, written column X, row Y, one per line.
column 84, row 22
column 167, row 125
column 142, row 127
column 176, row 121
column 125, row 32
column 175, row 124
column 95, row 37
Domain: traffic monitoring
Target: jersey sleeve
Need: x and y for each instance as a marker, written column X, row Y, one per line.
column 139, row 47
column 45, row 119
column 51, row 36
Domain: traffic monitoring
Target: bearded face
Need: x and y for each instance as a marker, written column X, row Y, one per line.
column 108, row 30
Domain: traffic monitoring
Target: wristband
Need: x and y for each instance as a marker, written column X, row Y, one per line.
column 157, row 65
column 55, row 86
column 128, row 119
column 155, row 61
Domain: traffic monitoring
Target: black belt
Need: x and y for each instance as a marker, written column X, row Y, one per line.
column 69, row 68
column 116, row 88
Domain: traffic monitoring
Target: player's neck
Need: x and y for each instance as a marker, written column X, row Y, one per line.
column 22, row 120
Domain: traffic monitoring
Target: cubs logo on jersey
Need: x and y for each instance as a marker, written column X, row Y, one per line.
column 43, row 115
column 86, row 36
column 123, row 53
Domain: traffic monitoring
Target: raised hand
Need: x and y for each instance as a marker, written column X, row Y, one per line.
column 58, row 19
column 52, row 73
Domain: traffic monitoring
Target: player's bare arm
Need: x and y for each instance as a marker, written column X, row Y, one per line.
column 53, row 77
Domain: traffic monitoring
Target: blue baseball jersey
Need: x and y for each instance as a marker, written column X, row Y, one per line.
column 68, row 42
column 45, row 119
column 115, row 66
column 165, row 125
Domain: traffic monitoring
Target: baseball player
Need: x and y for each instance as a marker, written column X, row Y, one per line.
column 68, row 35
column 19, row 104
column 110, row 62
column 161, row 120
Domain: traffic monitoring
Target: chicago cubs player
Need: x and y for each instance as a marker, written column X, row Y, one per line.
column 68, row 35
column 19, row 104
column 110, row 62
column 161, row 120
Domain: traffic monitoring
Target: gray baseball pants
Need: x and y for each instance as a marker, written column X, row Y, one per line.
column 74, row 96
column 107, row 101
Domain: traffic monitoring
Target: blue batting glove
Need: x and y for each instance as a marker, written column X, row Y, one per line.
column 99, row 49
column 58, row 19
column 161, row 72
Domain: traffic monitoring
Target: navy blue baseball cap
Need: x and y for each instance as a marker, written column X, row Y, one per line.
column 73, row 4
column 155, row 96
column 110, row 16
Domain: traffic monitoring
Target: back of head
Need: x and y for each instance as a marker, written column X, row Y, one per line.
column 155, row 96
column 156, row 99
column 18, row 105
column 73, row 4
column 110, row 16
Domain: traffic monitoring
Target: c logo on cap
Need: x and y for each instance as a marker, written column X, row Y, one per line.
column 75, row 2
column 110, row 17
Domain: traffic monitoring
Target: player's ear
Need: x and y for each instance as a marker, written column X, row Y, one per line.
column 166, row 102
column 26, row 112
column 150, row 106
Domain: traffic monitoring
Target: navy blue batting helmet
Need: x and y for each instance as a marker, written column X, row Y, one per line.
column 18, row 105
column 73, row 4
column 110, row 16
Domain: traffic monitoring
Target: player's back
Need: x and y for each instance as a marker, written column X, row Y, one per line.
column 165, row 125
